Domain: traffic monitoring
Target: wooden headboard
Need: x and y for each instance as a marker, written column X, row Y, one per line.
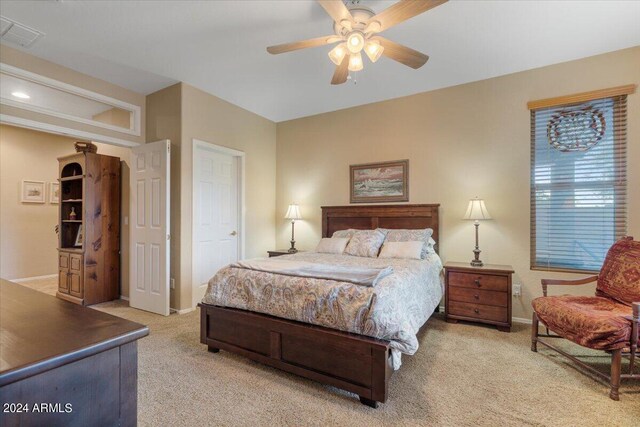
column 380, row 216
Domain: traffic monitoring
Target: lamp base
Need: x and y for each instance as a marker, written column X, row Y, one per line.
column 475, row 262
column 292, row 250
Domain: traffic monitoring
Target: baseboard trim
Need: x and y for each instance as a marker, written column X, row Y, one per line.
column 28, row 279
column 124, row 298
column 183, row 311
column 521, row 320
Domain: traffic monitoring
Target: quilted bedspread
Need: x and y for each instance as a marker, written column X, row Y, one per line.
column 394, row 309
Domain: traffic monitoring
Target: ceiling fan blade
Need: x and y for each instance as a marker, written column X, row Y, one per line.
column 342, row 72
column 288, row 47
column 403, row 10
column 404, row 55
column 336, row 9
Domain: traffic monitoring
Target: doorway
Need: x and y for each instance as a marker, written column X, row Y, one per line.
column 218, row 212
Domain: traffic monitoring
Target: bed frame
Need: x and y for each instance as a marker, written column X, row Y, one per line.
column 352, row 362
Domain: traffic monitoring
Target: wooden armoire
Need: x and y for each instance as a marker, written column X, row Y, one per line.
column 89, row 241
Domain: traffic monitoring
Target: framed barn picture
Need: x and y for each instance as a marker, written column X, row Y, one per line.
column 380, row 182
column 32, row 191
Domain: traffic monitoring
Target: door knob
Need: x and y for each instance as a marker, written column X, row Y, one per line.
column 234, row 232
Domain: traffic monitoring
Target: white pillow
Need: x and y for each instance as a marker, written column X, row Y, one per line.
column 409, row 250
column 411, row 235
column 333, row 245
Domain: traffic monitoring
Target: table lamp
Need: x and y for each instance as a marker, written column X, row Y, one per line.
column 476, row 211
column 293, row 213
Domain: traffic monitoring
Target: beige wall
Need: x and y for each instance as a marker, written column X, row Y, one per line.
column 208, row 118
column 114, row 116
column 39, row 66
column 462, row 141
column 183, row 113
column 28, row 241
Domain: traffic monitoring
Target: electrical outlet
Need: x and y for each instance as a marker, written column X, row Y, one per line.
column 517, row 290
column 172, row 283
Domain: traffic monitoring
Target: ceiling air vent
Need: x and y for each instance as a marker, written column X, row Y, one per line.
column 16, row 33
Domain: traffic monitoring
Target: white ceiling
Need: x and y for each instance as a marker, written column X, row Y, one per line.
column 219, row 46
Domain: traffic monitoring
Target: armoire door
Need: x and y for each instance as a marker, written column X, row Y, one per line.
column 63, row 272
column 75, row 275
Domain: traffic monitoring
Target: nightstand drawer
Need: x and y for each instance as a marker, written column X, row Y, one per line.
column 478, row 311
column 487, row 282
column 478, row 296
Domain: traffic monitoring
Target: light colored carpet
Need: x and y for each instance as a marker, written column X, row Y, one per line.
column 463, row 375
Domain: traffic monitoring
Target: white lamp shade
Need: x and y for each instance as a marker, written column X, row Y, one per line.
column 293, row 212
column 338, row 53
column 355, row 62
column 373, row 50
column 476, row 210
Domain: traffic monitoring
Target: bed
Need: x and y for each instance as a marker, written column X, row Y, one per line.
column 345, row 335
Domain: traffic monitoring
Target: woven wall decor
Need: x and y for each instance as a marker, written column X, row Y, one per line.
column 576, row 130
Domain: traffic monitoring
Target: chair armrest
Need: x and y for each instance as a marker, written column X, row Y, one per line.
column 546, row 282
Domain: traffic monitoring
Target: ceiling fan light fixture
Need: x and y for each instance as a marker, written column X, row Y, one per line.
column 355, row 42
column 346, row 24
column 355, row 62
column 373, row 50
column 338, row 53
column 373, row 27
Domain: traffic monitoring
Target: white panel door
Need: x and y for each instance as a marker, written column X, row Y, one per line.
column 149, row 227
column 215, row 230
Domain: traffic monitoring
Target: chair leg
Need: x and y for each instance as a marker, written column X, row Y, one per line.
column 616, row 365
column 534, row 332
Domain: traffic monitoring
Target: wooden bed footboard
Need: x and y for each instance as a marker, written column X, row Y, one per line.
column 352, row 362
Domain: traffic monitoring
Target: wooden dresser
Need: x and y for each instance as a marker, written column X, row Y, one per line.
column 478, row 294
column 280, row 252
column 79, row 366
column 89, row 228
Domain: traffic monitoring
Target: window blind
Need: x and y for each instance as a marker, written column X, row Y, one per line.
column 578, row 183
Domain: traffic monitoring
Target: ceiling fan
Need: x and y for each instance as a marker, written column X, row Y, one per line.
column 357, row 27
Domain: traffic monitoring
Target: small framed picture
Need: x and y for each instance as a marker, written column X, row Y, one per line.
column 79, row 237
column 54, row 192
column 32, row 191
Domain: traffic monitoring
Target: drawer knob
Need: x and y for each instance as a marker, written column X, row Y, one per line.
column 476, row 311
column 477, row 281
column 476, row 296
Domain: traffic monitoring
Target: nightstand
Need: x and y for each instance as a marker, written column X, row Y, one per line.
column 279, row 252
column 478, row 294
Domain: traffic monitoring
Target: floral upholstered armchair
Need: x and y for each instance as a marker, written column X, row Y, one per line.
column 608, row 321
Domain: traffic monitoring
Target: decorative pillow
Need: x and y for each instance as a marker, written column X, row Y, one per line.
column 365, row 243
column 405, row 235
column 335, row 245
column 431, row 246
column 345, row 233
column 619, row 277
column 410, row 250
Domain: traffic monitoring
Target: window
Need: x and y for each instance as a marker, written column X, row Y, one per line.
column 578, row 181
